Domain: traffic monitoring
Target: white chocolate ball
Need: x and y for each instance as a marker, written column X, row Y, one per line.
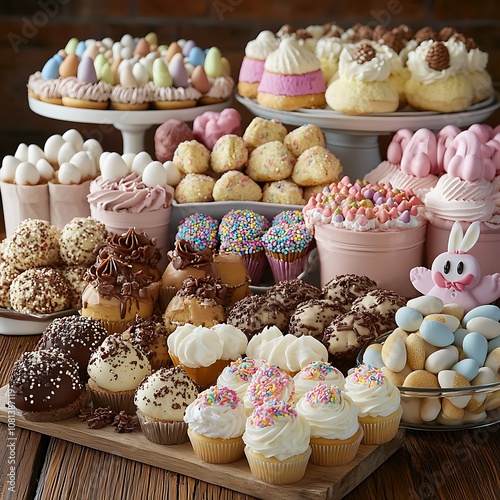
column 45, row 169
column 140, row 162
column 66, row 152
column 26, row 174
column 72, row 135
column 52, row 146
column 69, row 174
column 8, row 170
column 113, row 167
column 174, row 175
column 154, row 174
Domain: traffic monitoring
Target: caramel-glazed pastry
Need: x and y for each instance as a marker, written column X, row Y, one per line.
column 198, row 302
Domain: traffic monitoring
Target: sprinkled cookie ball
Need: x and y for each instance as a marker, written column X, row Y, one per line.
column 292, row 239
column 200, row 230
column 242, row 225
column 288, row 217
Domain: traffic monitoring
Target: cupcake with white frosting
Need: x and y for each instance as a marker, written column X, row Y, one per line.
column 314, row 374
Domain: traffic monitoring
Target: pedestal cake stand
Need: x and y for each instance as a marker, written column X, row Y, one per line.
column 354, row 139
column 132, row 124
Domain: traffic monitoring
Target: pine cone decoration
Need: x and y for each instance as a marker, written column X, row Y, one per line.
column 364, row 53
column 438, row 57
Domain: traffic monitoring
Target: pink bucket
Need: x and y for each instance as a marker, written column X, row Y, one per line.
column 486, row 250
column 384, row 256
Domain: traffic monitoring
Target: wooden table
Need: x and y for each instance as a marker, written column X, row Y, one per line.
column 458, row 465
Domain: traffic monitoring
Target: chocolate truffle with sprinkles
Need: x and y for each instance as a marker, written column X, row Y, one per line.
column 46, row 386
column 200, row 230
column 76, row 336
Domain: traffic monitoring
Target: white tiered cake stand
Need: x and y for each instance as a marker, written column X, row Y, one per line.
column 354, row 139
column 132, row 124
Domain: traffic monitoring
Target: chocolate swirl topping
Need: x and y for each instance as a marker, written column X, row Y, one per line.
column 364, row 53
column 132, row 246
column 438, row 57
column 208, row 288
column 426, row 33
column 185, row 255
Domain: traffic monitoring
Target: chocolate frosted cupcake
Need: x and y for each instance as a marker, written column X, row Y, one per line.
column 347, row 334
column 199, row 302
column 150, row 336
column 46, row 386
column 75, row 336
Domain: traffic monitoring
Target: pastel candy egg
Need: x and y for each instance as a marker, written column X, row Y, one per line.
column 484, row 376
column 127, row 40
column 485, row 311
column 117, row 50
column 151, row 38
column 448, row 320
column 69, row 174
column 436, row 333
column 468, row 367
column 113, row 167
column 452, row 411
column 102, row 158
column 444, row 420
column 213, row 63
column 396, row 378
column 82, row 161
column 470, row 417
column 141, row 74
column 69, row 67
column 411, row 410
column 140, row 161
column 460, row 334
column 173, row 48
column 485, row 326
column 475, row 346
column 45, row 169
column 454, row 310
column 35, row 153
column 451, row 379
column 99, row 62
column 71, row 46
column 421, row 379
column 142, row 48
column 80, row 48
column 174, row 175
column 493, row 361
column 186, row 49
column 394, row 352
column 415, row 351
column 200, row 80
column 50, row 69
column 126, row 52
column 429, row 409
column 86, row 71
column 178, row 72
column 492, row 344
column 196, row 56
column 408, row 318
column 26, row 174
column 58, row 58
column 66, row 152
column 128, row 158
column 154, row 174
column 161, row 75
column 443, row 359
column 22, row 152
column 107, row 74
column 426, row 304
column 373, row 356
column 8, row 170
column 72, row 135
column 226, row 66
column 52, row 146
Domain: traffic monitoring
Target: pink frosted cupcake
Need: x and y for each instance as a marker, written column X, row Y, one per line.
column 286, row 248
column 292, row 78
column 252, row 66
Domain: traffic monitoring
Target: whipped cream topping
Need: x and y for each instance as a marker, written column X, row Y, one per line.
column 420, row 69
column 331, row 414
column 175, row 94
column 372, row 393
column 132, row 95
column 217, row 413
column 276, row 430
column 220, row 87
column 75, row 89
column 375, row 70
column 477, row 60
column 329, row 48
column 265, row 43
column 291, row 59
column 317, row 372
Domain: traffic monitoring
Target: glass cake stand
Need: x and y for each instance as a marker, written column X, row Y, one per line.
column 355, row 139
column 132, row 124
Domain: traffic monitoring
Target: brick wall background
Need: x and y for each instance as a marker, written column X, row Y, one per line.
column 33, row 30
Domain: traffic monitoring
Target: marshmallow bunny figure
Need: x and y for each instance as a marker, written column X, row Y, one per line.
column 455, row 276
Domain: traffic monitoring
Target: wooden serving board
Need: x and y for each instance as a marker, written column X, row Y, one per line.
column 329, row 483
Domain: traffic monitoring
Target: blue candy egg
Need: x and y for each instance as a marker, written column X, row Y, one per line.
column 58, row 57
column 460, row 334
column 196, row 56
column 475, row 346
column 186, row 49
column 80, row 48
column 468, row 367
column 436, row 333
column 408, row 318
column 493, row 344
column 486, row 311
column 373, row 357
column 50, row 69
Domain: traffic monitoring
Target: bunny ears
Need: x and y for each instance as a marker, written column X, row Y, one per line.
column 469, row 155
column 458, row 243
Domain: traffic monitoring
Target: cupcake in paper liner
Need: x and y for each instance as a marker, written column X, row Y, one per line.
column 286, row 248
column 161, row 400
column 378, row 401
column 335, row 431
column 212, row 442
column 277, row 443
column 115, row 369
column 252, row 253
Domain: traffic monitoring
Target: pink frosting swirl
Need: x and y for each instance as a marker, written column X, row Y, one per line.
column 128, row 194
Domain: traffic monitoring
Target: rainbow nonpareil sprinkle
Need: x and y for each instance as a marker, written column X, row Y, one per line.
column 367, row 375
column 269, row 412
column 220, row 396
column 317, row 370
column 324, row 394
column 268, row 383
column 244, row 369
